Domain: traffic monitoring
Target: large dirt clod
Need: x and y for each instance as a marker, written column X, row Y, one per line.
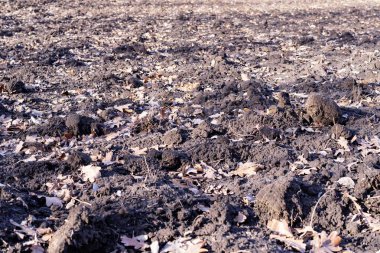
column 279, row 200
column 81, row 234
column 16, row 86
column 322, row 109
column 82, row 125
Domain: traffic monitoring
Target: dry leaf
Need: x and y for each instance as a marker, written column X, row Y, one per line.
column 280, row 227
column 247, row 169
column 209, row 172
column 343, row 142
column 90, row 172
column 19, row 147
column 26, row 230
column 298, row 245
column 306, row 232
column 371, row 222
column 244, row 77
column 188, row 87
column 137, row 242
column 185, row 245
column 203, row 208
column 326, row 244
column 112, row 136
column 139, row 151
column 108, row 158
column 154, row 247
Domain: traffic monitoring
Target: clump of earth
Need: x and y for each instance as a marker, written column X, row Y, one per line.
column 138, row 127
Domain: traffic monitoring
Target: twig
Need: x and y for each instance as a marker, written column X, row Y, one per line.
column 147, row 166
column 81, row 201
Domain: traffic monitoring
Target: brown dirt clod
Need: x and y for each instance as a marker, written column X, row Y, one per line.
column 81, row 234
column 15, row 86
column 322, row 109
column 279, row 200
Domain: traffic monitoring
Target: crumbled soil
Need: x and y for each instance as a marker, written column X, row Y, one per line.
column 167, row 100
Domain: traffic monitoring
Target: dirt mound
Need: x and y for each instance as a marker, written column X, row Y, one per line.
column 282, row 199
column 322, row 109
column 81, row 125
column 13, row 84
column 33, row 175
column 82, row 233
column 183, row 124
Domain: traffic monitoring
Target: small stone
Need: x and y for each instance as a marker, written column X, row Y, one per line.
column 322, row 109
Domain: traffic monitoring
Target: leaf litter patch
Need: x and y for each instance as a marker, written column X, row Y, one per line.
column 196, row 132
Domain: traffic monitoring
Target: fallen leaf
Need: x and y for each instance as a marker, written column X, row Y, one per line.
column 280, row 227
column 137, row 242
column 244, row 77
column 154, row 247
column 247, row 169
column 202, row 167
column 343, row 142
column 306, row 232
column 185, row 245
column 90, row 172
column 326, row 244
column 204, row 208
column 26, row 230
column 108, row 158
column 371, row 222
column 139, row 151
column 186, row 87
column 19, row 147
column 298, row 245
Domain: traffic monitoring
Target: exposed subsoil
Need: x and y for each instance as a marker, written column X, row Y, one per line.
column 168, row 99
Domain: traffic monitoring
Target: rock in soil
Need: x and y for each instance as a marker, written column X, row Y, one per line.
column 322, row 109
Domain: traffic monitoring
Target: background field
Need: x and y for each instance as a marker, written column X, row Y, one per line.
column 186, row 122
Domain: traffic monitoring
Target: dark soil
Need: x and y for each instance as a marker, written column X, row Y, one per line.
column 168, row 99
